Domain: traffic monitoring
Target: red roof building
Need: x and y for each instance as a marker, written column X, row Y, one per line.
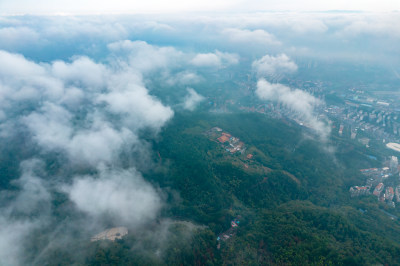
column 378, row 189
column 223, row 139
column 389, row 193
column 227, row 135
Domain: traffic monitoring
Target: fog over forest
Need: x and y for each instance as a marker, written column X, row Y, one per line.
column 89, row 105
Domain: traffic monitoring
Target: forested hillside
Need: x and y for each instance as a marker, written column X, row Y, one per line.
column 292, row 199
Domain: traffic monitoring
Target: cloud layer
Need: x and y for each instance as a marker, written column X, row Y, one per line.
column 32, row 200
column 216, row 59
column 88, row 113
column 122, row 196
column 87, row 106
column 192, row 99
column 272, row 65
column 297, row 100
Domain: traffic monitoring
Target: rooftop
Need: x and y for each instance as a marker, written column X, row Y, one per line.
column 111, row 234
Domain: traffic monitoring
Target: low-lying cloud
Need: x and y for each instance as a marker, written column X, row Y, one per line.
column 86, row 114
column 297, row 100
column 192, row 99
column 143, row 57
column 32, row 200
column 258, row 36
column 88, row 105
column 216, row 59
column 62, row 87
column 122, row 196
column 271, row 65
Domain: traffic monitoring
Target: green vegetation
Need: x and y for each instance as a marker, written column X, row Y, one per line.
column 292, row 198
column 298, row 212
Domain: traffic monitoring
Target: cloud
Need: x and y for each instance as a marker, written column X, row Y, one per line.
column 144, row 57
column 98, row 141
column 137, row 107
column 228, row 58
column 93, row 109
column 120, row 195
column 293, row 23
column 24, row 80
column 61, row 87
column 192, row 99
column 52, row 128
column 324, row 35
column 272, row 65
column 165, row 231
column 82, row 72
column 183, row 78
column 16, row 66
column 156, row 6
column 33, row 195
column 89, row 113
column 76, row 27
column 27, row 210
column 379, row 25
column 301, row 102
column 12, row 37
column 214, row 59
column 206, row 60
column 260, row 37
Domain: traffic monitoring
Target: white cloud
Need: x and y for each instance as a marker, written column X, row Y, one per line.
column 175, row 6
column 216, row 59
column 51, row 126
column 292, row 22
column 81, row 72
column 90, row 113
column 73, row 97
column 34, row 194
column 156, row 26
column 271, row 65
column 118, row 6
column 206, row 60
column 17, row 67
column 26, row 80
column 135, row 105
column 28, row 209
column 75, row 27
column 297, row 100
column 378, row 25
column 183, row 78
column 228, row 58
column 52, row 129
column 100, row 143
column 13, row 37
column 121, row 195
column 144, row 57
column 62, row 86
column 192, row 99
column 259, row 37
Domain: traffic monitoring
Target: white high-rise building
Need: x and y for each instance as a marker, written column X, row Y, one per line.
column 394, row 163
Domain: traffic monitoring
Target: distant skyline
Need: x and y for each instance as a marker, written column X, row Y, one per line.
column 37, row 7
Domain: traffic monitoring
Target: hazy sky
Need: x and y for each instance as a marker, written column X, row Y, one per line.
column 162, row 6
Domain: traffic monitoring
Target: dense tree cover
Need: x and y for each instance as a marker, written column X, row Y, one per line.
column 183, row 247
column 301, row 233
column 298, row 213
column 291, row 198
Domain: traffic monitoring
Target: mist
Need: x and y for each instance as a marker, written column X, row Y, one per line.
column 84, row 98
